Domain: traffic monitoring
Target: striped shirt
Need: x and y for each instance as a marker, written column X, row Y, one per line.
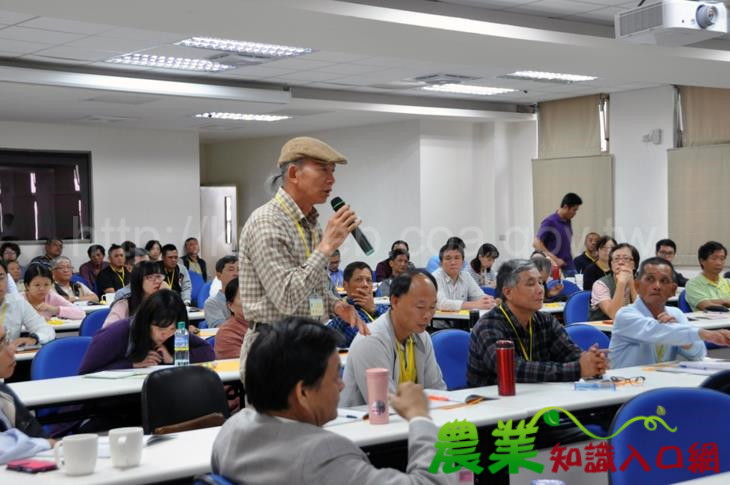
column 276, row 277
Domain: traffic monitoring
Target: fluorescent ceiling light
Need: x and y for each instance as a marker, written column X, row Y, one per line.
column 549, row 77
column 467, row 89
column 171, row 62
column 253, row 49
column 242, row 116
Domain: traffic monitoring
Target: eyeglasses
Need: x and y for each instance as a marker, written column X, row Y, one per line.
column 665, row 254
column 154, row 277
column 627, row 259
column 628, row 381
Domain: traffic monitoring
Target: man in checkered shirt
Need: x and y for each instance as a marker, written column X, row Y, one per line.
column 284, row 252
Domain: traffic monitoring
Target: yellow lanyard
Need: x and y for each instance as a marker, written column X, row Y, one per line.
column 366, row 313
column 660, row 353
column 170, row 279
column 589, row 256
column 519, row 339
column 4, row 311
column 307, row 250
column 407, row 362
column 121, row 278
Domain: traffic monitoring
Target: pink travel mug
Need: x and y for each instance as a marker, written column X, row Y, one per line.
column 378, row 395
column 506, row 367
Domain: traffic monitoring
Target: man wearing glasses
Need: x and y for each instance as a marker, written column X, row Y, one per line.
column 649, row 332
column 667, row 249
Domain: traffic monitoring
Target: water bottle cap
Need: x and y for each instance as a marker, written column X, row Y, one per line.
column 181, row 325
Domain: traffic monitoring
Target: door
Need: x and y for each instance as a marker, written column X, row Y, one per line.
column 218, row 228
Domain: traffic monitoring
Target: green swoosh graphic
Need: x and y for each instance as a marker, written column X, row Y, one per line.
column 650, row 422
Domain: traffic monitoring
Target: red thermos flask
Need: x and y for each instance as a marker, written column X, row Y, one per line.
column 506, row 367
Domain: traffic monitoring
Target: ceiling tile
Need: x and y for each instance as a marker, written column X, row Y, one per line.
column 21, row 47
column 332, row 56
column 299, row 64
column 151, row 36
column 63, row 25
column 76, row 53
column 8, row 17
column 309, row 76
column 112, row 44
column 555, row 8
column 346, row 69
column 37, row 35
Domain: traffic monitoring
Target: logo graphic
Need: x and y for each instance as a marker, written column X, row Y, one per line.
column 456, row 448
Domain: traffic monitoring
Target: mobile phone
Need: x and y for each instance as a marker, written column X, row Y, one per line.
column 31, row 466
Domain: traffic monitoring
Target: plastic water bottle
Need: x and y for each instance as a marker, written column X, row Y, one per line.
column 182, row 345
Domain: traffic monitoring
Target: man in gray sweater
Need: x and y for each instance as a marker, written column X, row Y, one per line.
column 293, row 381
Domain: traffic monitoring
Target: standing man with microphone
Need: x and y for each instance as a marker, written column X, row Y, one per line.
column 283, row 252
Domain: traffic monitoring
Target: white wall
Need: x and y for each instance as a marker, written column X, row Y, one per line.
column 144, row 183
column 640, row 178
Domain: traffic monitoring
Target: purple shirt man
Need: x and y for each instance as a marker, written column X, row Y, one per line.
column 556, row 232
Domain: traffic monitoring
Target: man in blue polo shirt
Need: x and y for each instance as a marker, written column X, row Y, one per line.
column 556, row 232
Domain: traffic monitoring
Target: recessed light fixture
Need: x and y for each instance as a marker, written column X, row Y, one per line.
column 253, row 49
column 241, row 116
column 553, row 77
column 467, row 89
column 182, row 63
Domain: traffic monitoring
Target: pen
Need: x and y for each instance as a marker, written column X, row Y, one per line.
column 438, row 398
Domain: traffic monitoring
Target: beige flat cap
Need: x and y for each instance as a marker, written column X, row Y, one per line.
column 306, row 147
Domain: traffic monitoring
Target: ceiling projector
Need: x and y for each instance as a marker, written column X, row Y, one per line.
column 672, row 22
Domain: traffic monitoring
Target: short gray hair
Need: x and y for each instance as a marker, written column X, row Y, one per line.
column 277, row 180
column 57, row 261
column 542, row 264
column 509, row 273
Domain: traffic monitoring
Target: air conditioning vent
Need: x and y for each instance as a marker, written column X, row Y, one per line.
column 641, row 19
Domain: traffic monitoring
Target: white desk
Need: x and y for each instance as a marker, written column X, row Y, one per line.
column 698, row 319
column 714, row 479
column 553, row 308
column 48, row 392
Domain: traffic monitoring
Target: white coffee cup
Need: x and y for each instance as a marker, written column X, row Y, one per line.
column 79, row 454
column 108, row 298
column 125, row 445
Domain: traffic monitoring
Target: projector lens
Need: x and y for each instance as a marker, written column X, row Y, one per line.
column 706, row 15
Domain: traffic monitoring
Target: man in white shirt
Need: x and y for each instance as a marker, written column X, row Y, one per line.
column 457, row 290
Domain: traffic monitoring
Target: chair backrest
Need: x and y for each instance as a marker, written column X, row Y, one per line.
column 683, row 305
column 204, row 294
column 585, row 336
column 197, row 283
column 488, row 290
column 698, row 416
column 92, row 322
column 569, row 288
column 719, row 382
column 77, row 278
column 59, row 358
column 179, row 394
column 576, row 308
column 211, row 341
column 211, row 479
column 451, row 348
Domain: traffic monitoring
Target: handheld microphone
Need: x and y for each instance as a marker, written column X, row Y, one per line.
column 362, row 241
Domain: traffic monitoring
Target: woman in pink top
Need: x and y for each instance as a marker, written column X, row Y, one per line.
column 38, row 282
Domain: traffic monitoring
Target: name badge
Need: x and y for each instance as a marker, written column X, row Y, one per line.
column 316, row 307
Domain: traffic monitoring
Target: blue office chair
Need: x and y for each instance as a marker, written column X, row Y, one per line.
column 683, row 305
column 683, row 407
column 93, row 322
column 59, row 358
column 576, row 308
column 451, row 348
column 197, row 283
column 488, row 290
column 77, row 278
column 204, row 294
column 211, row 341
column 569, row 288
column 585, row 336
column 211, row 479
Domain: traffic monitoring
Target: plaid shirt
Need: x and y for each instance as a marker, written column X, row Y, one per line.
column 554, row 355
column 276, row 278
column 347, row 331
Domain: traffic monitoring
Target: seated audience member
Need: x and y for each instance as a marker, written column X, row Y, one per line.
column 230, row 334
column 15, row 271
column 667, row 249
column 334, row 272
column 128, row 246
column 145, row 281
column 589, row 255
column 399, row 263
column 23, row 325
column 52, row 249
column 21, row 436
column 148, row 341
column 62, row 270
column 709, row 288
column 618, row 288
column 154, row 248
column 9, row 251
column 649, row 332
column 602, row 266
column 383, row 269
column 545, row 267
column 176, row 274
column 38, row 282
column 133, row 257
column 480, row 268
column 434, row 263
column 192, row 261
column 90, row 270
column 398, row 341
column 216, row 307
column 293, row 382
column 543, row 350
column 114, row 276
column 358, row 281
column 456, row 289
